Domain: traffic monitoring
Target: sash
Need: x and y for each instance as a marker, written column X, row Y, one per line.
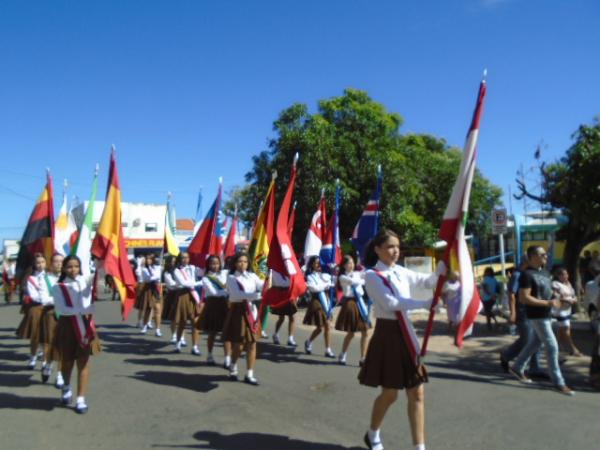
column 362, row 307
column 250, row 310
column 84, row 326
column 325, row 304
column 193, row 291
column 215, row 282
column 411, row 340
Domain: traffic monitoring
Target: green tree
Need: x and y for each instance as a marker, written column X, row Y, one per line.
column 572, row 184
column 346, row 139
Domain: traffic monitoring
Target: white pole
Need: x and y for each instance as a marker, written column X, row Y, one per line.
column 502, row 260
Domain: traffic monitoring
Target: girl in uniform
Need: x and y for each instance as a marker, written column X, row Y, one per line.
column 392, row 356
column 170, row 297
column 76, row 337
column 241, row 324
column 288, row 310
column 151, row 292
column 36, row 296
column 215, row 308
column 188, row 300
column 49, row 322
column 318, row 310
column 354, row 315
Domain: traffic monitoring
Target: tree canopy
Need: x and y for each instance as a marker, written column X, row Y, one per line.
column 346, row 139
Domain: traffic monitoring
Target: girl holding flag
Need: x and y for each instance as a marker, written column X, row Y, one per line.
column 241, row 324
column 354, row 315
column 319, row 309
column 392, row 360
column 151, row 292
column 188, row 300
column 216, row 306
column 76, row 337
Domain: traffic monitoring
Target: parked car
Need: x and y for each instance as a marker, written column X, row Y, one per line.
column 590, row 298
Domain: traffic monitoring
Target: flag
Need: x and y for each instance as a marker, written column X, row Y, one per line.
column 207, row 240
column 262, row 233
column 83, row 247
column 368, row 224
column 291, row 221
column 109, row 243
column 38, row 236
column 453, row 232
column 64, row 228
column 282, row 257
column 331, row 252
column 169, row 244
column 229, row 248
column 316, row 232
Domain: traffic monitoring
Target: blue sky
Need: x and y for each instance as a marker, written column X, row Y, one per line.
column 188, row 90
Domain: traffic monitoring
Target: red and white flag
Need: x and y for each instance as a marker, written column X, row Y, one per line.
column 316, row 232
column 229, row 248
column 453, row 232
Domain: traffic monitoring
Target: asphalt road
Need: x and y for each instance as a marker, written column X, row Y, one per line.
column 144, row 396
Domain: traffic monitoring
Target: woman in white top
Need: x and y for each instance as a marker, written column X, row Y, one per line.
column 49, row 322
column 451, row 296
column 216, row 306
column 170, row 296
column 188, row 300
column 241, row 324
column 319, row 309
column 36, row 295
column 354, row 315
column 392, row 357
column 566, row 294
column 151, row 293
column 76, row 337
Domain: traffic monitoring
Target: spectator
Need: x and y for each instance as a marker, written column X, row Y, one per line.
column 566, row 294
column 451, row 297
column 490, row 288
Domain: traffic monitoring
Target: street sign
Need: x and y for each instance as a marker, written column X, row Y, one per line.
column 499, row 220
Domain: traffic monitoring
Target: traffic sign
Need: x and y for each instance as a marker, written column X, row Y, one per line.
column 499, row 221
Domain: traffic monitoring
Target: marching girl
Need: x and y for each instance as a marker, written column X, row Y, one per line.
column 288, row 310
column 241, row 324
column 150, row 292
column 36, row 295
column 319, row 308
column 188, row 301
column 392, row 356
column 76, row 337
column 354, row 315
column 48, row 330
column 170, row 296
column 215, row 307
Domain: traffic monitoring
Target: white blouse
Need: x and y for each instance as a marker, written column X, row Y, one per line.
column 353, row 279
column 319, row 282
column 170, row 282
column 185, row 277
column 38, row 290
column 251, row 286
column 213, row 290
column 151, row 274
column 80, row 292
column 402, row 281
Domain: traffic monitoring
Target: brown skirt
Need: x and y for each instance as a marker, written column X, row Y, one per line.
column 186, row 308
column 170, row 305
column 388, row 363
column 48, row 332
column 148, row 297
column 314, row 313
column 289, row 309
column 67, row 345
column 236, row 327
column 30, row 326
column 213, row 314
column 349, row 318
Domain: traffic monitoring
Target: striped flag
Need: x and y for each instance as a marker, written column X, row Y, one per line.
column 207, row 240
column 38, row 236
column 262, row 233
column 368, row 224
column 169, row 244
column 109, row 243
column 331, row 252
column 316, row 233
column 64, row 228
column 453, row 232
column 83, row 247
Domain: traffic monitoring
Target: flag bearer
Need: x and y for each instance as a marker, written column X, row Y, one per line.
column 188, row 300
column 151, row 292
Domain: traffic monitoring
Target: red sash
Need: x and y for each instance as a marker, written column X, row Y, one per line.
column 193, row 291
column 84, row 327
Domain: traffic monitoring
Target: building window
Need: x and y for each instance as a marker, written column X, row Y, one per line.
column 150, row 227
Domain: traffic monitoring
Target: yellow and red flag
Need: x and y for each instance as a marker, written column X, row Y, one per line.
column 38, row 236
column 262, row 235
column 109, row 243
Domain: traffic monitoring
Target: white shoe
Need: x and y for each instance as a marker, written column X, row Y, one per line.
column 66, row 396
column 291, row 342
column 81, row 407
column 196, row 351
column 32, row 362
column 40, row 354
column 263, row 334
column 149, row 325
column 60, row 382
column 144, row 329
column 158, row 333
column 178, row 347
column 183, row 343
column 174, row 339
column 276, row 339
column 307, row 347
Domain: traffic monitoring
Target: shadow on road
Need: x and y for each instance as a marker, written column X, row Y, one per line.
column 164, row 362
column 126, row 343
column 193, row 382
column 244, row 441
column 282, row 354
column 11, row 401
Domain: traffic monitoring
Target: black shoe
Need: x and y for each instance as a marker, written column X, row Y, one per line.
column 250, row 380
column 503, row 363
column 233, row 376
column 368, row 441
column 81, row 409
column 226, row 366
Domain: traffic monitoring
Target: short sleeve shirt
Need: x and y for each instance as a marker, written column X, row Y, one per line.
column 540, row 283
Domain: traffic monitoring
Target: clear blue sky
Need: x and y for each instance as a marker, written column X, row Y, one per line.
column 188, row 90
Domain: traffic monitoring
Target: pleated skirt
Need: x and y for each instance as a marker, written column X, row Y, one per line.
column 314, row 313
column 236, row 327
column 213, row 314
column 67, row 345
column 349, row 318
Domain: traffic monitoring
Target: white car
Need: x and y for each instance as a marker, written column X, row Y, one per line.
column 590, row 298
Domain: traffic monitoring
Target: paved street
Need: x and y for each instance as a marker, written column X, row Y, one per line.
column 144, row 396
